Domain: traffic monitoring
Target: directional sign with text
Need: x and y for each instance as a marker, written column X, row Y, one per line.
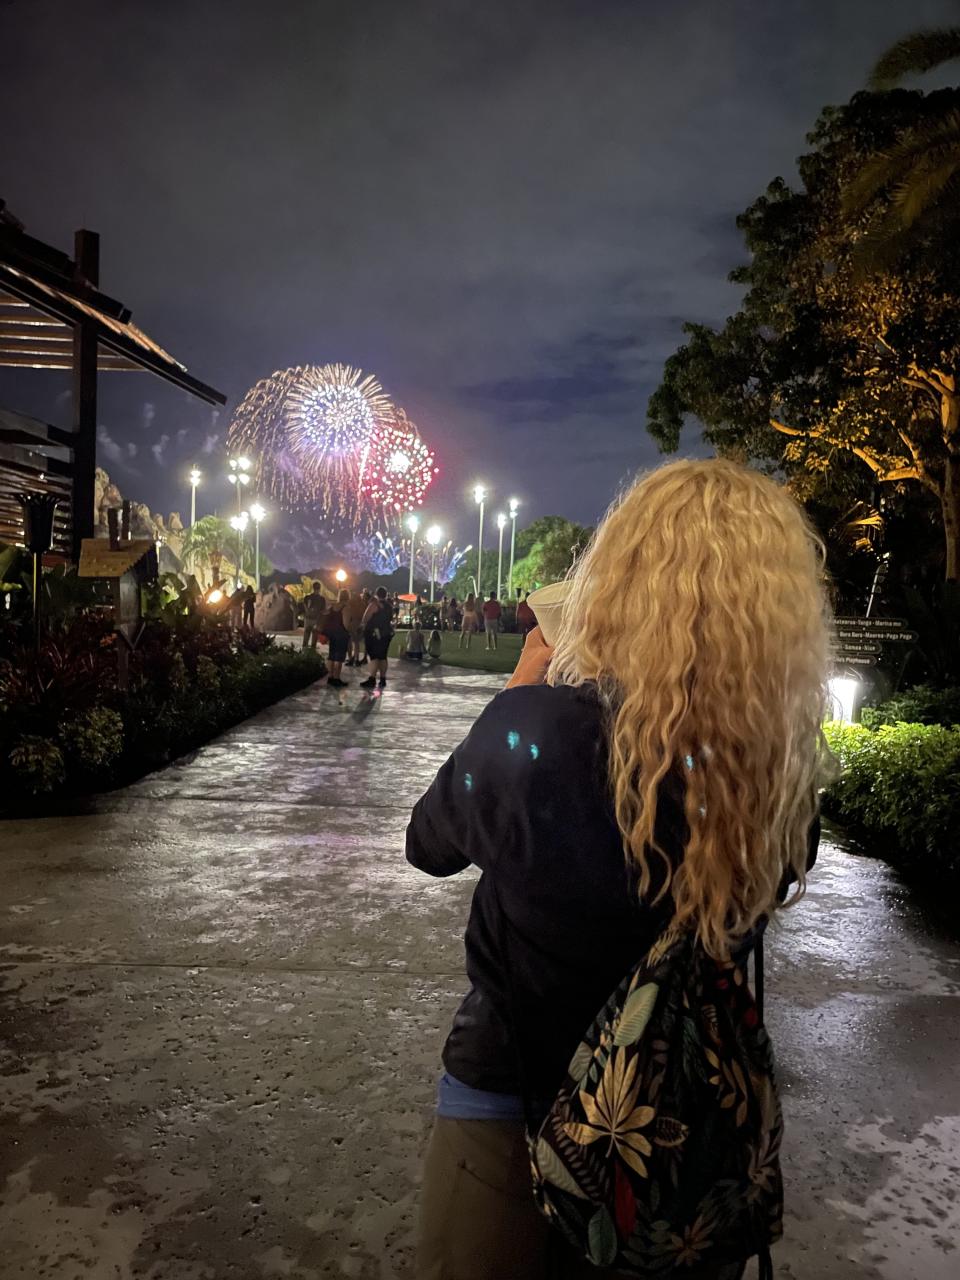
column 857, row 646
column 852, row 631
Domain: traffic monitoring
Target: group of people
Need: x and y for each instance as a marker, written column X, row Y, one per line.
column 358, row 627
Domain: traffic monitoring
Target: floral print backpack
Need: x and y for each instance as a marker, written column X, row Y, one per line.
column 661, row 1150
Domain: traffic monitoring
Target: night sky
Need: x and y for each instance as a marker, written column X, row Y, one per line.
column 504, row 210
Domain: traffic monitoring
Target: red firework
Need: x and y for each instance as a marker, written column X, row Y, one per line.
column 399, row 467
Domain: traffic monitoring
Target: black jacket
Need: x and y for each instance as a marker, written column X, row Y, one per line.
column 525, row 798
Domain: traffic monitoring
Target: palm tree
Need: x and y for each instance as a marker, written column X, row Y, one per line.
column 914, row 185
column 914, row 54
column 205, row 542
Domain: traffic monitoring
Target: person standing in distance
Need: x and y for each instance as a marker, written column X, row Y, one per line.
column 338, row 639
column 353, row 620
column 377, row 634
column 491, row 619
column 314, row 607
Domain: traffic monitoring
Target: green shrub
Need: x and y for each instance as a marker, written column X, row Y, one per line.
column 208, row 677
column 93, row 739
column 37, row 763
column 923, row 704
column 900, row 787
column 64, row 725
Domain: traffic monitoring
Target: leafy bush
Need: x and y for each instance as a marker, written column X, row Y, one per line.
column 923, row 704
column 66, row 726
column 37, row 763
column 900, row 787
column 93, row 739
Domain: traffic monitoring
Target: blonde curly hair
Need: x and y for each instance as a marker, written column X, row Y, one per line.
column 699, row 610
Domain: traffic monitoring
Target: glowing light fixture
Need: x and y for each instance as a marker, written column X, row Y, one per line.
column 479, row 497
column 501, row 525
column 433, row 536
column 514, row 508
column 413, row 524
column 844, row 694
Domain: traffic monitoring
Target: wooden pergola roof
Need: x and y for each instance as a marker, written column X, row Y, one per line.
column 54, row 316
column 43, row 298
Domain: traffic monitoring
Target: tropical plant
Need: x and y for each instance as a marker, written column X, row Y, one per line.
column 906, row 193
column 840, row 382
column 550, row 548
column 915, row 54
column 93, row 738
column 206, row 540
column 37, row 763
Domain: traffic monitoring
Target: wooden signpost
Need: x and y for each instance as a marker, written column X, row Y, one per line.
column 126, row 564
column 859, row 641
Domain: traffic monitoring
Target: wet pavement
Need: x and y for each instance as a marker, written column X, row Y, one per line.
column 224, row 993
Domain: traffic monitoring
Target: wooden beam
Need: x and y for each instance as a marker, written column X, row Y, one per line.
column 38, row 343
column 119, row 344
column 64, row 360
column 85, row 400
column 42, row 328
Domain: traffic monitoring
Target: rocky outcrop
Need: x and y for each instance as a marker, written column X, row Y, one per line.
column 275, row 610
column 144, row 523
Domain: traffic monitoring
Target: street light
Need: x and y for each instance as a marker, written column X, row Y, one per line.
column 434, row 534
column 239, row 522
column 257, row 512
column 239, row 476
column 413, row 524
column 479, row 494
column 195, row 478
column 341, row 576
column 501, row 525
column 514, row 508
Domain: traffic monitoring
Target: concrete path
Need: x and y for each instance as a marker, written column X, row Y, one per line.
column 224, row 994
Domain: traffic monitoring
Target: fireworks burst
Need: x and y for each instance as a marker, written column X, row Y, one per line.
column 399, row 467
column 449, row 559
column 311, row 429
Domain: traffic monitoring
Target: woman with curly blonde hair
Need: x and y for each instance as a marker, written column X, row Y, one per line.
column 663, row 762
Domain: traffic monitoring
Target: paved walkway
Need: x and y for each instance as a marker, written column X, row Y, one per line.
column 223, row 1001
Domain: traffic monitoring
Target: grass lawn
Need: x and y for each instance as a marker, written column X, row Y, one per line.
column 477, row 658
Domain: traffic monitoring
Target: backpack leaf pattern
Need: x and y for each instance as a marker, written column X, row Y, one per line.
column 661, row 1150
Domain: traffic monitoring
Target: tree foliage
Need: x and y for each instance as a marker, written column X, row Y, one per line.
column 912, row 186
column 916, row 53
column 840, row 381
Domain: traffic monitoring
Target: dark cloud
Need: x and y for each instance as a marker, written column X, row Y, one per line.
column 506, row 211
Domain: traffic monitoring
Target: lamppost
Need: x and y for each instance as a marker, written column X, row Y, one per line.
column 195, row 478
column 239, row 475
column 514, row 508
column 479, row 494
column 341, row 576
column 413, row 524
column 434, row 534
column 257, row 512
column 501, row 525
column 239, row 522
